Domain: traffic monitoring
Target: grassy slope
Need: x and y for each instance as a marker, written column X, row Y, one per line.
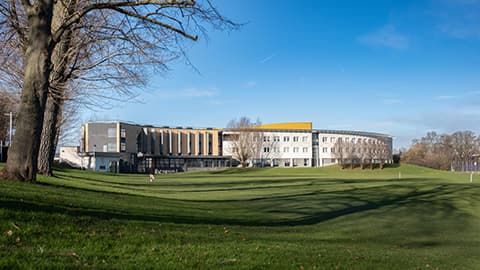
column 269, row 218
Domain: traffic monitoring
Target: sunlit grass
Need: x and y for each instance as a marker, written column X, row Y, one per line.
column 398, row 218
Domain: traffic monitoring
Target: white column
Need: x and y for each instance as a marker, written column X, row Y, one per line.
column 161, row 142
column 199, row 151
column 179, row 142
column 170, row 142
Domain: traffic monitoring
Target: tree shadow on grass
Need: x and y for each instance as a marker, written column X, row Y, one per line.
column 307, row 208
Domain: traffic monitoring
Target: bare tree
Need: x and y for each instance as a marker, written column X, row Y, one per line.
column 385, row 153
column 341, row 151
column 125, row 35
column 444, row 152
column 369, row 154
column 246, row 142
column 352, row 154
column 464, row 146
column 363, row 148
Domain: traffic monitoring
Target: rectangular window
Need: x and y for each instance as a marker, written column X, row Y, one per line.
column 276, row 138
column 266, row 138
column 276, row 149
column 123, row 147
column 305, row 149
column 286, row 149
column 123, row 133
column 332, row 150
column 286, row 138
column 324, row 149
column 111, row 132
column 295, row 138
column 112, row 147
column 295, row 149
column 332, row 139
column 305, row 139
column 324, row 139
column 266, row 149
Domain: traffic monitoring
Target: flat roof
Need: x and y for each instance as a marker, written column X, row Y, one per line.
column 352, row 132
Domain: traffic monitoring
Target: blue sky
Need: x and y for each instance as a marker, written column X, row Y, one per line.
column 396, row 67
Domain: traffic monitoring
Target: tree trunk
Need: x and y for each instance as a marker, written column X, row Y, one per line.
column 23, row 154
column 51, row 128
column 52, row 121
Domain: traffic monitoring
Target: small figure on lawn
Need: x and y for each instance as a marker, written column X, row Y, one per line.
column 152, row 176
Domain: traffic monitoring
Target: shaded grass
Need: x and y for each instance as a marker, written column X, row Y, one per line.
column 323, row 218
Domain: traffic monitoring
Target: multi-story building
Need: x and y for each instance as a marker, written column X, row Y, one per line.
column 125, row 147
column 325, row 144
column 283, row 144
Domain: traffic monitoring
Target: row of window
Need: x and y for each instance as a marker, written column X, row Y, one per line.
column 285, row 138
column 285, row 149
column 347, row 139
column 347, row 150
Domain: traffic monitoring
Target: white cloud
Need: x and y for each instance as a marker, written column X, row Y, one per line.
column 458, row 18
column 387, row 36
column 266, row 59
column 461, row 30
column 446, row 97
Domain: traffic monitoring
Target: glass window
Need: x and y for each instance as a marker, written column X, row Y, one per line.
column 324, row 149
column 332, row 139
column 266, row 138
column 276, row 138
column 305, row 149
column 123, row 147
column 305, row 139
column 295, row 138
column 112, row 147
column 266, row 149
column 112, row 132
column 324, row 139
column 332, row 150
column 123, row 133
column 286, row 149
column 295, row 149
column 286, row 138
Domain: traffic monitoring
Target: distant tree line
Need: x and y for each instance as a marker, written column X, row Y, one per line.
column 363, row 153
column 458, row 151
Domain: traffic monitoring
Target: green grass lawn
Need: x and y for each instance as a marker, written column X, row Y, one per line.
column 301, row 218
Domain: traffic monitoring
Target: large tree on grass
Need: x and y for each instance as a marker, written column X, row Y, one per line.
column 110, row 38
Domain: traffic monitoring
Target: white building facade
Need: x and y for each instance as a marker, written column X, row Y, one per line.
column 278, row 148
column 327, row 139
column 125, row 147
